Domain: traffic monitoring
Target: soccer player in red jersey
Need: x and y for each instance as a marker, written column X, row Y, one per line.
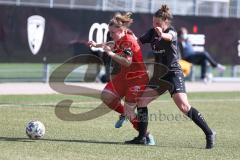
column 131, row 80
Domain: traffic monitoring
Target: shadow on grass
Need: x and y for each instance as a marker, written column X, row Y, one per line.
column 14, row 139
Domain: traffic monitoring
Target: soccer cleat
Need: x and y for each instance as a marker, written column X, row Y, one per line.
column 221, row 68
column 150, row 140
column 137, row 140
column 211, row 140
column 120, row 121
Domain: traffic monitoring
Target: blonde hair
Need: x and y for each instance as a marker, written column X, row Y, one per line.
column 121, row 20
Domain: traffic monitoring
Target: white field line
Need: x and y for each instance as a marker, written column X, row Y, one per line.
column 98, row 102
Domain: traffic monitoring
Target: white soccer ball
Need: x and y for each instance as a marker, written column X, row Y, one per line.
column 35, row 129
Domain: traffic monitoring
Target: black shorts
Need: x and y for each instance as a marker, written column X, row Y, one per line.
column 173, row 81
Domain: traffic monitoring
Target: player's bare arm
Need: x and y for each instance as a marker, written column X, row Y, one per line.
column 101, row 45
column 119, row 59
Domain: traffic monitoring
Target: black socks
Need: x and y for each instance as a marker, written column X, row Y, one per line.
column 199, row 120
column 196, row 117
column 143, row 121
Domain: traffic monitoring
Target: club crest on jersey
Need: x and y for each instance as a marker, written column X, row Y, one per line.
column 135, row 89
column 35, row 31
column 125, row 44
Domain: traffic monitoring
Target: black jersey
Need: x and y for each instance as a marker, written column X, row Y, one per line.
column 165, row 52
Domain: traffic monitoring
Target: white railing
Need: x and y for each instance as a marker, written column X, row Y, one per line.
column 216, row 8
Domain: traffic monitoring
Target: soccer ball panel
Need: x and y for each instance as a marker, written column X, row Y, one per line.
column 35, row 129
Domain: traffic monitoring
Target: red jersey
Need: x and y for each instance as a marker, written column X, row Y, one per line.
column 131, row 81
column 137, row 68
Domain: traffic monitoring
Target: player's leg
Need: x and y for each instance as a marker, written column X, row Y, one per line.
column 113, row 93
column 180, row 98
column 134, row 89
column 209, row 58
column 129, row 110
column 121, row 120
column 199, row 59
column 156, row 87
column 148, row 138
column 139, row 121
column 111, row 96
column 144, row 137
column 181, row 101
column 213, row 62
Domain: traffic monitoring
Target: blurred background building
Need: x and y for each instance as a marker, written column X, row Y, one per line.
column 215, row 8
column 19, row 64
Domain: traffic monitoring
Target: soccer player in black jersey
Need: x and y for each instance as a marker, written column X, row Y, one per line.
column 167, row 75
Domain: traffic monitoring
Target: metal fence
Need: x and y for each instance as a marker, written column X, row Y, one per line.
column 215, row 8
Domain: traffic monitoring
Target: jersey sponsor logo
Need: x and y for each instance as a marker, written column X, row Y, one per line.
column 98, row 33
column 159, row 51
column 35, row 31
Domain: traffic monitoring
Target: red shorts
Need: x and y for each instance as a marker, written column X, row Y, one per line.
column 131, row 89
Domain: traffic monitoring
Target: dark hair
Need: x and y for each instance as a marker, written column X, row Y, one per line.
column 164, row 13
column 121, row 20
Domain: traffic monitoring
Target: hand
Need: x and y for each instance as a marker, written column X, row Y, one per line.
column 159, row 31
column 92, row 44
column 107, row 49
column 111, row 44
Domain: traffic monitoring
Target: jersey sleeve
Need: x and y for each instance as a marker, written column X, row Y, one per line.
column 173, row 33
column 146, row 38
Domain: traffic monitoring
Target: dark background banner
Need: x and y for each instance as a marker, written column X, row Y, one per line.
column 67, row 30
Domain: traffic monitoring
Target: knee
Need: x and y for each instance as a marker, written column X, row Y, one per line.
column 107, row 97
column 142, row 102
column 184, row 108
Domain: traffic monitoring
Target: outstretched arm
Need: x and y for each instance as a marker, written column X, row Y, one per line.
column 125, row 61
column 101, row 45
